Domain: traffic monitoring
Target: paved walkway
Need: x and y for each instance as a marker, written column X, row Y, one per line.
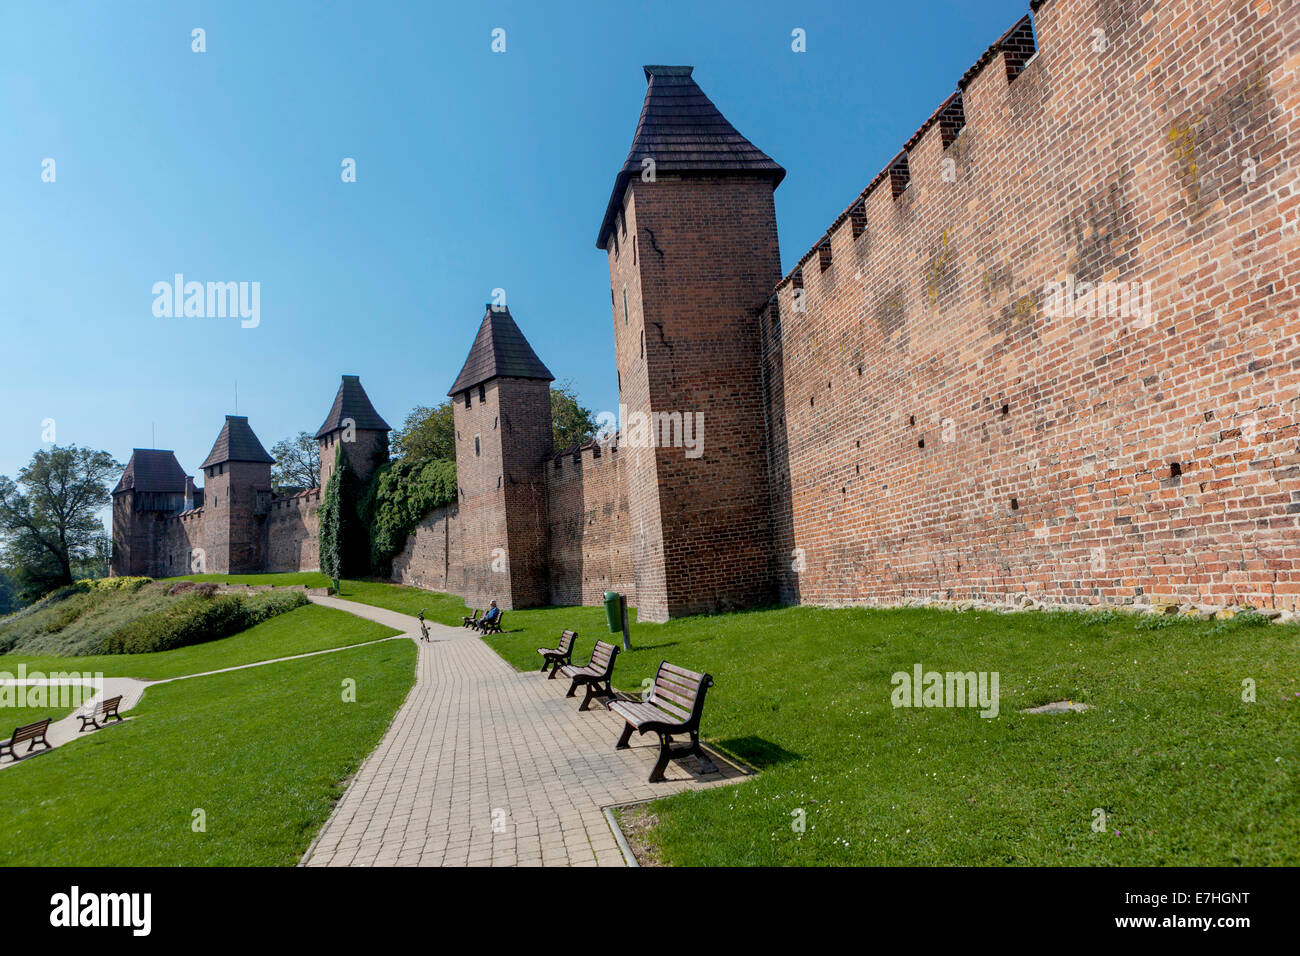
column 484, row 765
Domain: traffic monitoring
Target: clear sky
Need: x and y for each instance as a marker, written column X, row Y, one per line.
column 475, row 170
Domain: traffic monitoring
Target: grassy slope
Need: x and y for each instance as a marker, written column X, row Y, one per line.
column 76, row 624
column 1186, row 772
column 299, row 631
column 264, row 752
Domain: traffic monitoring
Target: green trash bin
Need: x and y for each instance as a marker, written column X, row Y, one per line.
column 614, row 610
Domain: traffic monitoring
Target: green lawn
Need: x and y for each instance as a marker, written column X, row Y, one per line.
column 443, row 608
column 300, row 631
column 263, row 752
column 1185, row 770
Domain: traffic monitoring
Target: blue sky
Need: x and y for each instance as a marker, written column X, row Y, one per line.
column 475, row 170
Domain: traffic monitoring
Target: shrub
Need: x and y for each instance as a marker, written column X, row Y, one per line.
column 196, row 618
column 116, row 584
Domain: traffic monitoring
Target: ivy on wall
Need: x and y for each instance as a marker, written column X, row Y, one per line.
column 400, row 496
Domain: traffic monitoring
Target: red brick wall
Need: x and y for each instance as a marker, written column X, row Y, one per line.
column 589, row 529
column 706, row 257
column 502, row 492
column 926, row 388
column 433, row 557
column 292, row 533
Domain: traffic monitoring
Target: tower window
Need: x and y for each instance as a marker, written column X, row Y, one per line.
column 634, row 250
column 482, row 395
column 478, row 446
column 468, row 402
column 625, row 305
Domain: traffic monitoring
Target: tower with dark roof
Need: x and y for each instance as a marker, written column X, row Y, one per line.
column 690, row 233
column 354, row 424
column 502, row 409
column 236, row 497
column 152, row 488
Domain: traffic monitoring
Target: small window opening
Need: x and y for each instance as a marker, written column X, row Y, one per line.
column 858, row 218
column 824, row 254
column 1175, row 469
column 1019, row 48
column 478, row 446
column 952, row 120
column 899, row 176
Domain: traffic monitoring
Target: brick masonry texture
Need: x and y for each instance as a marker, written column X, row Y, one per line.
column 936, row 430
column 916, row 410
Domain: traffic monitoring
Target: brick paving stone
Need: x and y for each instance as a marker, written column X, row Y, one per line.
column 486, row 765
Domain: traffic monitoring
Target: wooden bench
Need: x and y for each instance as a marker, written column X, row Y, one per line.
column 470, row 621
column 491, row 627
column 562, row 653
column 106, row 709
column 672, row 708
column 594, row 675
column 33, row 732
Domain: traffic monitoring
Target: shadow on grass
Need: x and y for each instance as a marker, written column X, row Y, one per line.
column 757, row 752
column 651, row 647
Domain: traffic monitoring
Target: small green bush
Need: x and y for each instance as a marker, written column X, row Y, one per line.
column 197, row 618
column 116, row 584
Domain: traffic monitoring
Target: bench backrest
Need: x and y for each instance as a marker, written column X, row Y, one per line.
column 602, row 658
column 28, row 731
column 110, row 704
column 680, row 692
column 566, row 641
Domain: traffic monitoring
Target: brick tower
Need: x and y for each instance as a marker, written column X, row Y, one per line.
column 152, row 488
column 353, row 423
column 236, row 497
column 502, row 408
column 690, row 232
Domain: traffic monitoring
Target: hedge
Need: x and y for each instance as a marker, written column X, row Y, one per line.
column 196, row 619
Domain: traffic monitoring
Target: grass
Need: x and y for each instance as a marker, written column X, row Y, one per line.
column 1185, row 771
column 443, row 608
column 71, row 623
column 263, row 753
column 301, row 631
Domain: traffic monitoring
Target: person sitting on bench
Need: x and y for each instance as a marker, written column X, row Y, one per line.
column 486, row 621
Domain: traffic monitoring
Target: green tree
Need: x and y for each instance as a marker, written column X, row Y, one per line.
column 48, row 520
column 9, row 601
column 571, row 422
column 297, row 462
column 426, row 434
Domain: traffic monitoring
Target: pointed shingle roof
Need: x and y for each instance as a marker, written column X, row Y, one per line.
column 500, row 351
column 152, row 469
column 352, row 402
column 683, row 132
column 236, row 443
